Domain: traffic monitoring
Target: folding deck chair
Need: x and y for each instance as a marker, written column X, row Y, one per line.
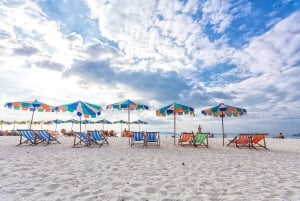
column 46, row 137
column 152, row 138
column 97, row 137
column 83, row 139
column 201, row 139
column 137, row 138
column 27, row 136
column 242, row 140
column 186, row 138
column 256, row 138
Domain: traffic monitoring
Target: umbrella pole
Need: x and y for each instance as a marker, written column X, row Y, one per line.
column 174, row 129
column 223, row 130
column 128, row 124
column 31, row 118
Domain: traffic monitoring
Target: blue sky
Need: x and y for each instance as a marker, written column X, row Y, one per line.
column 198, row 53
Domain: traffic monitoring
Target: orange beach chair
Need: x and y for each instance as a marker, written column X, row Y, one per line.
column 186, row 138
column 242, row 140
column 256, row 140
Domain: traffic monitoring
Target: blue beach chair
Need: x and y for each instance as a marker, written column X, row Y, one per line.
column 152, row 138
column 28, row 137
column 46, row 137
column 137, row 138
column 83, row 139
column 97, row 137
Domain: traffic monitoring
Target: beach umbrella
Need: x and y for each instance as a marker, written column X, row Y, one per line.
column 72, row 121
column 139, row 122
column 30, row 106
column 85, row 122
column 87, row 110
column 223, row 110
column 175, row 109
column 120, row 122
column 54, row 121
column 103, row 121
column 127, row 105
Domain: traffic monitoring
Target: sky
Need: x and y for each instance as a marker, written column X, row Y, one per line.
column 194, row 52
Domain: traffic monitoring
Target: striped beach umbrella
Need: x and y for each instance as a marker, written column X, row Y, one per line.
column 103, row 121
column 223, row 110
column 175, row 109
column 120, row 122
column 127, row 105
column 30, row 106
column 139, row 122
column 87, row 110
column 82, row 109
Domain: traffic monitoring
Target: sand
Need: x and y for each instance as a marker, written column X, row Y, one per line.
column 118, row 172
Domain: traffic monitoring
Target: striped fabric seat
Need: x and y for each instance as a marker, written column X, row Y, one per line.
column 29, row 137
column 152, row 138
column 83, row 139
column 45, row 136
column 97, row 137
column 137, row 138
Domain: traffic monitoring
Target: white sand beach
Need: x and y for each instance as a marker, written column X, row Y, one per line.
column 59, row 172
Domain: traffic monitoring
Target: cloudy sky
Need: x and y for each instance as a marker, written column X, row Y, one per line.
column 194, row 52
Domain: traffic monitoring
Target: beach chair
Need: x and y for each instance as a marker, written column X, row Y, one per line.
column 83, row 139
column 201, row 139
column 46, row 137
column 97, row 137
column 242, row 140
column 28, row 137
column 258, row 140
column 137, row 138
column 186, row 138
column 152, row 138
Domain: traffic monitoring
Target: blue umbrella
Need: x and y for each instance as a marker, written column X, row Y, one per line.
column 103, row 121
column 139, row 122
column 120, row 122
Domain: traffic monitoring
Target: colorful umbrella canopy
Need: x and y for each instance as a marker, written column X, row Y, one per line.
column 120, row 122
column 72, row 121
column 87, row 110
column 84, row 109
column 127, row 105
column 139, row 122
column 175, row 109
column 31, row 106
column 54, row 121
column 223, row 110
column 103, row 121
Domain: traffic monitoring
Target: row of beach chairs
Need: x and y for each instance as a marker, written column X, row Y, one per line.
column 35, row 137
column 96, row 137
column 250, row 140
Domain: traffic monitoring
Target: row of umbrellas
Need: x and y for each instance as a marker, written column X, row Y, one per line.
column 88, row 110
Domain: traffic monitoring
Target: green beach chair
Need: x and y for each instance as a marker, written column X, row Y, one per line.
column 201, row 139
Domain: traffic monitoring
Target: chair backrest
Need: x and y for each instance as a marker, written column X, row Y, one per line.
column 43, row 134
column 152, row 136
column 257, row 137
column 138, row 136
column 28, row 134
column 200, row 137
column 186, row 137
column 96, row 135
column 243, row 138
column 83, row 136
